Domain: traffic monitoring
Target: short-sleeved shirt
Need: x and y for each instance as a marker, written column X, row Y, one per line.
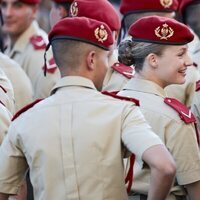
column 72, row 142
column 5, row 118
column 22, row 87
column 185, row 92
column 6, row 92
column 179, row 138
column 31, row 59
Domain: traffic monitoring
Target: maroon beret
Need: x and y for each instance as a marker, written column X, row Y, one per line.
column 132, row 6
column 83, row 29
column 101, row 10
column 63, row 1
column 161, row 30
column 31, row 1
column 186, row 3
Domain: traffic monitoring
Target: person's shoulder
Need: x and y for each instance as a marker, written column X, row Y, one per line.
column 5, row 61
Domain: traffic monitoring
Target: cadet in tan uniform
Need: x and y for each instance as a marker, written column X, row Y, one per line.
column 111, row 17
column 23, row 92
column 160, row 59
column 72, row 140
column 132, row 10
column 26, row 41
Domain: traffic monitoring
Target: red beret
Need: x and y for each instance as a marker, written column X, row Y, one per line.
column 185, row 3
column 101, row 10
column 63, row 1
column 83, row 29
column 160, row 30
column 132, row 6
column 31, row 1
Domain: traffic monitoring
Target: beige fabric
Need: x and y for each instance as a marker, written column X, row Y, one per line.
column 196, row 108
column 179, row 138
column 7, row 96
column 30, row 59
column 72, row 142
column 5, row 118
column 185, row 92
column 21, row 83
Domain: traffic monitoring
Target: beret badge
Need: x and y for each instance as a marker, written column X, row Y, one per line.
column 166, row 3
column 74, row 9
column 101, row 34
column 165, row 32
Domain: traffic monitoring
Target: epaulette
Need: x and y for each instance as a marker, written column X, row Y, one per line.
column 24, row 109
column 198, row 85
column 130, row 174
column 38, row 42
column 185, row 114
column 127, row 71
column 50, row 66
column 4, row 90
column 115, row 95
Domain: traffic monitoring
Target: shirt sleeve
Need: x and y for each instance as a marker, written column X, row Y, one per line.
column 137, row 134
column 13, row 165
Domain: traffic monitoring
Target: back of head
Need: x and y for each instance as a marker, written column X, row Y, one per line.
column 101, row 10
column 162, row 32
column 70, row 34
column 65, row 4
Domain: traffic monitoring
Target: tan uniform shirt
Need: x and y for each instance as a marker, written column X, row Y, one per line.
column 21, row 83
column 72, row 143
column 179, row 138
column 6, row 92
column 196, row 108
column 185, row 92
column 5, row 120
column 29, row 58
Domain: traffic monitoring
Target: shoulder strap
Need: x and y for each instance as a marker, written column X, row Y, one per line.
column 127, row 71
column 198, row 85
column 38, row 42
column 185, row 114
column 24, row 109
column 115, row 95
column 50, row 66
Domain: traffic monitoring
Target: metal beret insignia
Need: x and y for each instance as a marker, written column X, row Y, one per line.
column 74, row 9
column 101, row 34
column 166, row 3
column 165, row 32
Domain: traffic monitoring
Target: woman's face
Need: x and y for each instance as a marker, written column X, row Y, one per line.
column 172, row 65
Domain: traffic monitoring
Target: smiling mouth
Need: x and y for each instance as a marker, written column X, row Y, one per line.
column 182, row 71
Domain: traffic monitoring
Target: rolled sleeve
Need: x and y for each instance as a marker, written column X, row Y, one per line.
column 13, row 165
column 137, row 135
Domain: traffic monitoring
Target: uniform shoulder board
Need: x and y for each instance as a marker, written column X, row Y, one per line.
column 115, row 95
column 24, row 109
column 4, row 90
column 198, row 85
column 127, row 71
column 38, row 42
column 184, row 113
column 50, row 66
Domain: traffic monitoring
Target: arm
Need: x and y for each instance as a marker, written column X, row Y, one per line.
column 162, row 171
column 193, row 190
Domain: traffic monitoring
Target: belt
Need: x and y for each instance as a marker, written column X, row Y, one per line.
column 137, row 197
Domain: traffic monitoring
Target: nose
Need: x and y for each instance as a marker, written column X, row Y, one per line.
column 188, row 60
column 7, row 10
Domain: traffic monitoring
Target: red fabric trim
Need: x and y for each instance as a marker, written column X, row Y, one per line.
column 25, row 109
column 130, row 174
column 197, row 85
column 38, row 42
column 115, row 95
column 3, row 89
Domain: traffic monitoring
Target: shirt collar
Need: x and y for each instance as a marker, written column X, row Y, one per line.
column 73, row 81
column 24, row 38
column 145, row 86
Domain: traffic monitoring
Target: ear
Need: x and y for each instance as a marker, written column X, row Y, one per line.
column 62, row 11
column 91, row 57
column 152, row 59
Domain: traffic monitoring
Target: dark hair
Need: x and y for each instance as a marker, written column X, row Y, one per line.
column 134, row 53
column 66, row 6
column 191, row 19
